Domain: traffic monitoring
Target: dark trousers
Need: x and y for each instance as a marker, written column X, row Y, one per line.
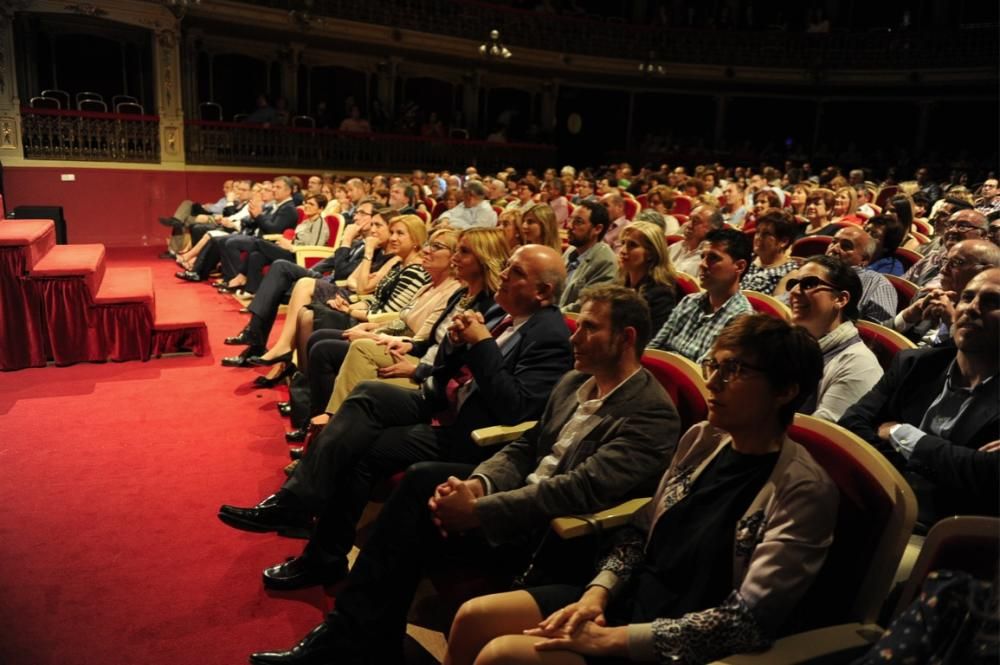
column 233, row 262
column 327, row 349
column 273, row 291
column 264, row 253
column 208, row 259
column 379, row 430
column 199, row 230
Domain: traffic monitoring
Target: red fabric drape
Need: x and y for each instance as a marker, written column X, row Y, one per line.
column 193, row 339
column 70, row 329
column 126, row 331
column 21, row 329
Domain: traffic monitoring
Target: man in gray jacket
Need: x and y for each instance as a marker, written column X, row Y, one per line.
column 589, row 260
column 608, row 431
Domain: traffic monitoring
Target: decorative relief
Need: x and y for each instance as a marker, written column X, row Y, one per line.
column 8, row 133
column 86, row 9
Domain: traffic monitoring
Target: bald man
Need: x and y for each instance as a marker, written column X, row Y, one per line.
column 496, row 368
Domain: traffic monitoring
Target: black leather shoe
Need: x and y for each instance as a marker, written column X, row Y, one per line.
column 275, row 513
column 297, row 435
column 285, row 408
column 167, row 255
column 260, row 362
column 188, row 276
column 243, row 338
column 264, row 382
column 296, row 452
column 324, row 645
column 242, row 360
column 300, row 572
column 172, row 222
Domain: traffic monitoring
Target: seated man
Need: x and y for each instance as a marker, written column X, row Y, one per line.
column 686, row 254
column 474, row 210
column 601, row 438
column 698, row 318
column 962, row 224
column 589, row 260
column 934, row 413
column 177, row 242
column 493, row 372
column 928, row 318
column 614, row 204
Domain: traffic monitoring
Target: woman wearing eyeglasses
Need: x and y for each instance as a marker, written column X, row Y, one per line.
column 718, row 561
column 824, row 297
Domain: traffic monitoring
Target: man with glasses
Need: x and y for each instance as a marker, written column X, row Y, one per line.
column 474, row 210
column 934, row 413
column 928, row 318
column 283, row 275
column 589, row 261
column 964, row 224
column 697, row 320
column 989, row 197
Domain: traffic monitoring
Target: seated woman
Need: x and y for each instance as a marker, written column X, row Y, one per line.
column 510, row 221
column 819, row 213
column 375, row 264
column 395, row 291
column 888, row 233
column 661, row 199
column 823, row 296
column 644, row 265
column 763, row 200
column 718, row 561
column 539, row 227
column 799, row 196
column 845, row 206
column 312, row 230
column 775, row 232
column 396, row 355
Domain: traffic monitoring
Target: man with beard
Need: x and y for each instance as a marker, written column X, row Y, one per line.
column 589, row 260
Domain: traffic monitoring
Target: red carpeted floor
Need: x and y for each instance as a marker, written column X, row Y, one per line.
column 110, row 478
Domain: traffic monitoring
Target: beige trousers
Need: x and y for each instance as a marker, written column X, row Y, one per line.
column 362, row 363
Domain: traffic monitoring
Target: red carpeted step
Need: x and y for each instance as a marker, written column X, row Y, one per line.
column 86, row 261
column 176, row 328
column 37, row 235
column 126, row 285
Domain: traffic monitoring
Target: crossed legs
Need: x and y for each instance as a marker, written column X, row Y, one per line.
column 302, row 294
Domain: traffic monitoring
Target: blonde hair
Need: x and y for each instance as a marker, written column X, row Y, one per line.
column 415, row 227
column 550, row 227
column 514, row 217
column 491, row 250
column 658, row 265
column 446, row 236
column 852, row 194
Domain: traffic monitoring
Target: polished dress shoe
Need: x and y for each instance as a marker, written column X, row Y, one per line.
column 261, row 362
column 277, row 512
column 285, row 408
column 296, row 452
column 324, row 645
column 297, row 435
column 301, row 572
column 243, row 360
column 226, row 289
column 243, row 338
column 188, row 276
column 172, row 222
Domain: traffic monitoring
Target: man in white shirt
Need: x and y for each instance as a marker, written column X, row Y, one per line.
column 686, row 255
column 474, row 210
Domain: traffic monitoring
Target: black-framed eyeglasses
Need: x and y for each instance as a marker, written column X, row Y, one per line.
column 809, row 283
column 961, row 226
column 957, row 262
column 727, row 369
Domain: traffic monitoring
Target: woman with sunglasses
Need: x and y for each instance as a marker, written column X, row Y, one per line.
column 717, row 562
column 823, row 297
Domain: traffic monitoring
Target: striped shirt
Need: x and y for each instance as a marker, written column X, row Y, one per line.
column 398, row 288
column 692, row 327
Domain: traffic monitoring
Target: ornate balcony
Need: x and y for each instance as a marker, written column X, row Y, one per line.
column 90, row 136
column 228, row 143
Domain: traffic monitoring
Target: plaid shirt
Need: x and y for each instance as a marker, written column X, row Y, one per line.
column 692, row 328
column 878, row 297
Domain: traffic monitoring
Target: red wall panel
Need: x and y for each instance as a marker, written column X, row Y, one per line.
column 117, row 207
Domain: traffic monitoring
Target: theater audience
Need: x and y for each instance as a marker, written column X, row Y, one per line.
column 539, row 227
column 615, row 205
column 589, row 260
column 717, row 562
column 888, row 233
column 698, row 318
column 686, row 254
column 643, row 265
column 608, row 430
column 845, row 206
column 260, row 210
column 526, row 192
column 490, row 370
column 824, row 297
column 474, row 210
column 963, row 224
column 934, row 415
column 510, row 221
column 773, row 235
column 819, row 212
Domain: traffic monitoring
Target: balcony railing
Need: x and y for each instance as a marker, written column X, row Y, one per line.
column 252, row 145
column 90, row 136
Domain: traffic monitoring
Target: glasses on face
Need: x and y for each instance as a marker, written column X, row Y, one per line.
column 362, row 213
column 958, row 262
column 961, row 226
column 436, row 246
column 810, row 283
column 727, row 369
column 844, row 243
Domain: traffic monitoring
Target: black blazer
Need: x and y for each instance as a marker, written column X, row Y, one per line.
column 284, row 217
column 949, row 476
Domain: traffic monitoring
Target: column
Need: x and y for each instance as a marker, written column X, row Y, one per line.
column 290, row 59
column 547, row 105
column 10, row 104
column 167, row 64
column 386, row 72
column 471, row 84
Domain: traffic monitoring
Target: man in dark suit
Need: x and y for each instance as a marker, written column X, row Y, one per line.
column 284, row 217
column 492, row 370
column 283, row 275
column 934, row 413
column 608, row 430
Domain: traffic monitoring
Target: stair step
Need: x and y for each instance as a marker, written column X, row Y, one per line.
column 86, row 261
column 125, row 285
column 38, row 235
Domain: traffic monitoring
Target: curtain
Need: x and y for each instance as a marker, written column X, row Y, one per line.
column 22, row 342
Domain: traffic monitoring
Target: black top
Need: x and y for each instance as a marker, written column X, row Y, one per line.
column 689, row 559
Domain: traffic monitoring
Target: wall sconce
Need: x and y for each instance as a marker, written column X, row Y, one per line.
column 494, row 48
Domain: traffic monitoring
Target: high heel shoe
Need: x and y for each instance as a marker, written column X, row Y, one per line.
column 264, row 382
column 285, row 408
column 264, row 362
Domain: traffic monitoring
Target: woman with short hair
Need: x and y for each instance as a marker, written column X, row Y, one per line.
column 774, row 234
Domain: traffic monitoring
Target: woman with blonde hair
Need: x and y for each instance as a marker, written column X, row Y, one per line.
column 661, row 199
column 539, row 227
column 845, row 206
column 510, row 221
column 644, row 265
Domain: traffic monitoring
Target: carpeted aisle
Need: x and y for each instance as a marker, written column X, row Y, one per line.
column 110, row 477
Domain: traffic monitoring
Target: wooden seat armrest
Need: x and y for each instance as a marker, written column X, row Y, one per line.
column 574, row 527
column 314, row 249
column 803, row 647
column 272, row 236
column 497, row 434
column 383, row 318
